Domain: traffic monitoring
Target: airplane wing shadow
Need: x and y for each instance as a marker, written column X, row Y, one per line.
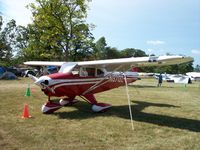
column 84, row 111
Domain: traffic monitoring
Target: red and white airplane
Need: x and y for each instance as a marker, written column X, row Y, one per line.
column 86, row 78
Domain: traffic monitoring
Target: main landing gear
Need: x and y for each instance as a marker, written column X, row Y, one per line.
column 100, row 107
column 51, row 106
column 96, row 107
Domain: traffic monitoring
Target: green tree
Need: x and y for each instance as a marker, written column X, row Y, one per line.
column 1, row 21
column 99, row 49
column 131, row 52
column 197, row 68
column 184, row 68
column 7, row 41
column 59, row 30
column 21, row 38
column 111, row 53
column 21, row 42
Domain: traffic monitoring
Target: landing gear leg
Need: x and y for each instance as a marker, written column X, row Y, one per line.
column 96, row 107
column 49, row 107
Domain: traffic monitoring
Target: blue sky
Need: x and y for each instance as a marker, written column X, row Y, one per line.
column 155, row 26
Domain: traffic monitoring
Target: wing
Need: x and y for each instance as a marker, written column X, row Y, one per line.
column 65, row 66
column 122, row 64
column 125, row 64
column 43, row 63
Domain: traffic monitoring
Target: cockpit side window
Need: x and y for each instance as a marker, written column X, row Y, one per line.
column 91, row 71
column 83, row 72
column 76, row 71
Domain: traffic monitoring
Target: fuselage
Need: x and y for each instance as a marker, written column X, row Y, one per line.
column 71, row 85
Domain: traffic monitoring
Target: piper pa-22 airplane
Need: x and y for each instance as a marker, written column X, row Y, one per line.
column 86, row 78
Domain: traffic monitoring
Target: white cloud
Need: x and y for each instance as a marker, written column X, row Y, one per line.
column 113, row 13
column 155, row 42
column 150, row 50
column 195, row 51
column 15, row 9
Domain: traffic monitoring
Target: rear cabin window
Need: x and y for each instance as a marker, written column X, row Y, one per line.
column 100, row 73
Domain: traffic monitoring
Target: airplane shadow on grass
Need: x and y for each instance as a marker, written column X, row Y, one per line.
column 84, row 111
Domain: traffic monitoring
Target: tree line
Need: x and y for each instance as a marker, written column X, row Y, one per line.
column 59, row 32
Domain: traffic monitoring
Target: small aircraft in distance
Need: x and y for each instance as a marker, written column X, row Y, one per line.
column 175, row 78
column 194, row 75
column 86, row 78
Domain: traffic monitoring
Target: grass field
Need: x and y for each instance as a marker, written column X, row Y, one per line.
column 164, row 118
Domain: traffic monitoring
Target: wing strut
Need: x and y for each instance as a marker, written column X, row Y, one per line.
column 129, row 102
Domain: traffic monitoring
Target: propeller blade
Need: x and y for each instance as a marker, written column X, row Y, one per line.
column 34, row 78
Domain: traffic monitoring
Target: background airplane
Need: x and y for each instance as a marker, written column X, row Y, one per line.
column 194, row 75
column 176, row 78
column 86, row 78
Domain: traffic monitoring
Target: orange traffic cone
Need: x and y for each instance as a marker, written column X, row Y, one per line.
column 25, row 112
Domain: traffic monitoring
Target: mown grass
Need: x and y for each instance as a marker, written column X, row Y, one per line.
column 164, row 118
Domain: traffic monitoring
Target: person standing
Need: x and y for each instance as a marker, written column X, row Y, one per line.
column 160, row 79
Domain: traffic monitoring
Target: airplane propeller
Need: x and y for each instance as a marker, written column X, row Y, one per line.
column 43, row 84
column 34, row 78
